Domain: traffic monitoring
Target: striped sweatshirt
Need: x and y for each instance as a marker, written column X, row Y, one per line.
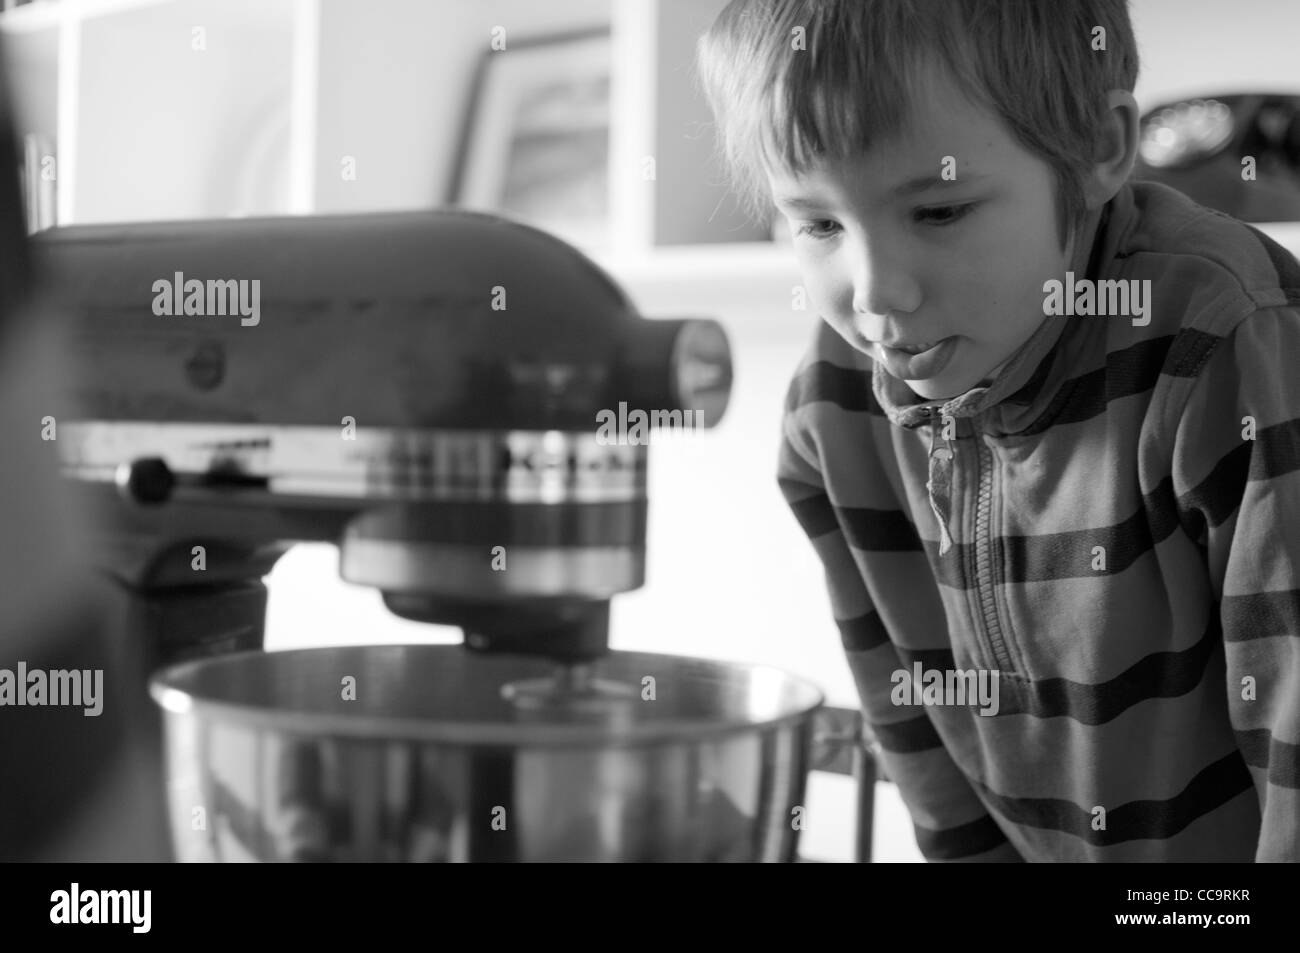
column 1109, row 530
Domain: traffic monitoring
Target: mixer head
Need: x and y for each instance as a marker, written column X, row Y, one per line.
column 432, row 391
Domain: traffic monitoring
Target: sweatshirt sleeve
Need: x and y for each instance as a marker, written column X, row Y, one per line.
column 1236, row 475
column 951, row 823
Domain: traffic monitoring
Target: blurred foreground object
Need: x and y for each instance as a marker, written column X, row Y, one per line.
column 71, row 785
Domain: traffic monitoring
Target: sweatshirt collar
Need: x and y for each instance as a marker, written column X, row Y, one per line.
column 1027, row 384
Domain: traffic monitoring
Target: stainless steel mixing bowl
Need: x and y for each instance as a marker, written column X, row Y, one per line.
column 428, row 753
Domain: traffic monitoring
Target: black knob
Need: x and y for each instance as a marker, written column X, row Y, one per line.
column 147, row 480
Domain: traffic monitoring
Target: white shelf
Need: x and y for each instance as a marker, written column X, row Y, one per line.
column 752, row 283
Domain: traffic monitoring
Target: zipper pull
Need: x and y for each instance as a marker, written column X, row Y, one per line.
column 939, row 485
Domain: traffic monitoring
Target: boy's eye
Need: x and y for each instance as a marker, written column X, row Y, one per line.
column 943, row 214
column 819, row 230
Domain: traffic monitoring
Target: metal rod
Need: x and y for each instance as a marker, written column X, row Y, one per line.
column 864, row 770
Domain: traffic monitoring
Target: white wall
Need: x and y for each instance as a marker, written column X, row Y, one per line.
column 1191, row 47
column 165, row 130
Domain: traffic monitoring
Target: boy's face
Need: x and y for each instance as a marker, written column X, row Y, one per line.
column 892, row 253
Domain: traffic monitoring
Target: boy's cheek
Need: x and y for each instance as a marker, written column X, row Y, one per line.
column 827, row 309
column 846, row 331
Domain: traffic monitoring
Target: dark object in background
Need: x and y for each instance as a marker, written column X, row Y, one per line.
column 1198, row 146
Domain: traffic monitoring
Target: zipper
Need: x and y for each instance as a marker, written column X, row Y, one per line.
column 938, row 487
column 984, row 581
column 939, row 491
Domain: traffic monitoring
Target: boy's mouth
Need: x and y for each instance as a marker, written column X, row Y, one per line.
column 916, row 362
column 911, row 348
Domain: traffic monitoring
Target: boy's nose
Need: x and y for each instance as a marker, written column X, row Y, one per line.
column 883, row 278
column 881, row 287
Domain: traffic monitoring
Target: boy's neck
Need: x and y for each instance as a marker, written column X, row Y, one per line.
column 1087, row 250
column 1084, row 262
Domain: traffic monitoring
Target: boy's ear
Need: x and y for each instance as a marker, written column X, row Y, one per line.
column 1115, row 161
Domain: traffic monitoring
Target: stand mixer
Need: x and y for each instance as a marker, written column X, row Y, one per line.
column 421, row 389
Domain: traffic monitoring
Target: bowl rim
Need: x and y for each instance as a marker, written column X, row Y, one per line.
column 177, row 700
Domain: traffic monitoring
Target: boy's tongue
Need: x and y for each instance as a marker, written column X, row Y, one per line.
column 920, row 366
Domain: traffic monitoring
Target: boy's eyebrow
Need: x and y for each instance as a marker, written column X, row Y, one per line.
column 798, row 203
column 920, row 183
column 923, row 182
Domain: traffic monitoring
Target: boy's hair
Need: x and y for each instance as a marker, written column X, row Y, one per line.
column 1030, row 62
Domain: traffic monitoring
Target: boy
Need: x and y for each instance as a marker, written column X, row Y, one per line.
column 1047, row 438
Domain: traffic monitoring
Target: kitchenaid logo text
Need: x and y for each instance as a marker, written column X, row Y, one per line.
column 1131, row 298
column 945, row 687
column 190, row 296
column 102, row 906
column 634, row 427
column 79, row 687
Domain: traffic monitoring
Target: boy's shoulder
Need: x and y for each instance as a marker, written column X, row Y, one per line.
column 1216, row 288
column 1206, row 270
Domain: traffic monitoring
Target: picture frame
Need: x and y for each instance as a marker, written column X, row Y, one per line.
column 535, row 145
